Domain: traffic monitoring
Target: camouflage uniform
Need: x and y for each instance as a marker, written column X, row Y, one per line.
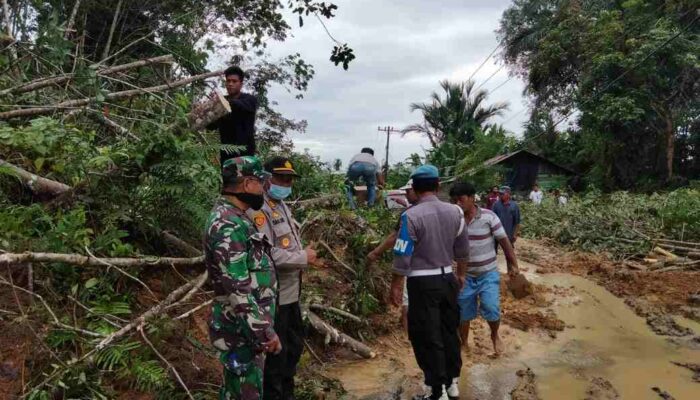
column 245, row 288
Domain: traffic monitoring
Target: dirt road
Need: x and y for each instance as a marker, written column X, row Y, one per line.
column 579, row 340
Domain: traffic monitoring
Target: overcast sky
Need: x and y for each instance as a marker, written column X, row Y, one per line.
column 403, row 48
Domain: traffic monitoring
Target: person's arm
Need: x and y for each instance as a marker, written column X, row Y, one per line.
column 403, row 253
column 500, row 235
column 247, row 103
column 233, row 274
column 461, row 251
column 511, row 260
column 516, row 223
column 380, row 179
column 387, row 244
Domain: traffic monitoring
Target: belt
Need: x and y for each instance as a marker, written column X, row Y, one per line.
column 431, row 272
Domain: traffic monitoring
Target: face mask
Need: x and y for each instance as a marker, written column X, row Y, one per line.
column 278, row 192
column 255, row 201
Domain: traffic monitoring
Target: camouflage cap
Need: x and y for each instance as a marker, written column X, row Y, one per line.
column 243, row 166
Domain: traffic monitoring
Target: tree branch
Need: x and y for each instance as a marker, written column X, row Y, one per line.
column 27, row 112
column 328, row 248
column 79, row 259
column 60, row 79
column 157, row 309
column 179, row 379
column 71, row 20
column 105, row 53
column 37, row 184
column 335, row 336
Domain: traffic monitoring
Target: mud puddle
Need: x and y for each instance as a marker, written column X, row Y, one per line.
column 604, row 341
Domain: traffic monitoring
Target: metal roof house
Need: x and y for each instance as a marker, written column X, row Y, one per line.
column 523, row 168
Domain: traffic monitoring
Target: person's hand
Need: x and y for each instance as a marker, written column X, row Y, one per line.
column 460, row 282
column 396, row 293
column 513, row 271
column 311, row 256
column 515, row 237
column 372, row 257
column 274, row 346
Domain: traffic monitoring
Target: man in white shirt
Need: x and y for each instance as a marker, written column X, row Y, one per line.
column 536, row 195
column 365, row 166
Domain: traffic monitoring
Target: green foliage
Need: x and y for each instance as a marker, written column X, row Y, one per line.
column 317, row 178
column 629, row 69
column 458, row 116
column 595, row 222
column 148, row 376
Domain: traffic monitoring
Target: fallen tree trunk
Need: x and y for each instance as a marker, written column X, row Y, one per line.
column 157, row 309
column 79, row 259
column 332, row 335
column 670, row 256
column 69, row 104
column 322, row 202
column 184, row 247
column 60, row 79
column 679, row 249
column 35, row 183
column 210, row 110
column 679, row 242
column 337, row 311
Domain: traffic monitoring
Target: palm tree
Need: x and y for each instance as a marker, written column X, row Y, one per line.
column 457, row 115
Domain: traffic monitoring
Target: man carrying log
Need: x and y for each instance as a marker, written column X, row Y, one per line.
column 275, row 220
column 244, row 281
column 431, row 236
column 237, row 127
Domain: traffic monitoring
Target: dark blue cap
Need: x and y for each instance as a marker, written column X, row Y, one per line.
column 425, row 171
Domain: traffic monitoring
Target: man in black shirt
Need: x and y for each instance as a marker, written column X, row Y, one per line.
column 238, row 127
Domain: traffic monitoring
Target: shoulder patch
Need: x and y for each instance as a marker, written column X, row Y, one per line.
column 259, row 219
column 404, row 243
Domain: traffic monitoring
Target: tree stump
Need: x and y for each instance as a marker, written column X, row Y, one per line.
column 208, row 111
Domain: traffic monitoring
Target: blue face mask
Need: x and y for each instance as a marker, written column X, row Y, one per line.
column 278, row 192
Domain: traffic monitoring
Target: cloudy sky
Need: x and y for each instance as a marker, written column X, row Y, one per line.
column 403, row 48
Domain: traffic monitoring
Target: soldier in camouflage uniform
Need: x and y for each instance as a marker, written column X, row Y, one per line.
column 244, row 281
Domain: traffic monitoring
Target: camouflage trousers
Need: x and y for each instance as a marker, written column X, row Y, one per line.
column 244, row 383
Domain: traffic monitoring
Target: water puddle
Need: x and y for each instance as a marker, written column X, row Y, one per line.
column 604, row 338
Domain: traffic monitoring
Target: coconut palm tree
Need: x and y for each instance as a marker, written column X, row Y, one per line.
column 457, row 115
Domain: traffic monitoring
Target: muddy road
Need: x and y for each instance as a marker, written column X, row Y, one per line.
column 578, row 340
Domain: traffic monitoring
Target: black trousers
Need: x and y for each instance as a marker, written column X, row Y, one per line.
column 433, row 320
column 278, row 381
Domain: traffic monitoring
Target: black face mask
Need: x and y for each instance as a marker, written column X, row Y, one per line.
column 255, row 201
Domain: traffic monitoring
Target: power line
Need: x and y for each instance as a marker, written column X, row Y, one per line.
column 484, row 62
column 573, row 73
column 501, row 85
column 625, row 72
column 664, row 44
column 489, row 78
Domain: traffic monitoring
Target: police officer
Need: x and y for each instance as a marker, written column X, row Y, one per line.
column 275, row 220
column 244, row 282
column 432, row 234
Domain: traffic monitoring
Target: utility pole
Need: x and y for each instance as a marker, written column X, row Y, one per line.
column 389, row 130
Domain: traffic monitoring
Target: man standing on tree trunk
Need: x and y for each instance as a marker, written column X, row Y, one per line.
column 244, row 282
column 238, row 127
column 432, row 234
column 275, row 220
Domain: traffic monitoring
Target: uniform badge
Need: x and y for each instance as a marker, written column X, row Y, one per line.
column 259, row 219
column 286, row 242
column 275, row 215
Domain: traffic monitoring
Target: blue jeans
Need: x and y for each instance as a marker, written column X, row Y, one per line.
column 368, row 173
column 482, row 293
